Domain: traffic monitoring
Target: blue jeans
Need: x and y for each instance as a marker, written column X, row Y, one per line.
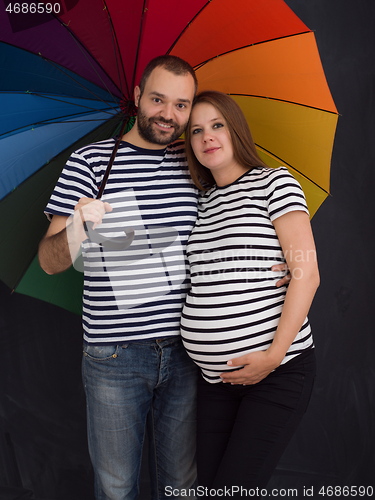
column 128, row 387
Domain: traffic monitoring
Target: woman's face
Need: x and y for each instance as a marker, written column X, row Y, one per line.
column 212, row 143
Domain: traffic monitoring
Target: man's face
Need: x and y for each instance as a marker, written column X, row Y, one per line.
column 164, row 107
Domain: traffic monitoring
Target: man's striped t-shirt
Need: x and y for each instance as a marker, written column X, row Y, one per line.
column 233, row 306
column 135, row 270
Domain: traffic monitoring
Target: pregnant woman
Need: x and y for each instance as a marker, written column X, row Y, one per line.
column 251, row 339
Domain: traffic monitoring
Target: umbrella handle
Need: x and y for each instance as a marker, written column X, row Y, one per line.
column 111, row 160
column 118, row 243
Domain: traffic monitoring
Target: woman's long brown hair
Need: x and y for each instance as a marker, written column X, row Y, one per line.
column 244, row 149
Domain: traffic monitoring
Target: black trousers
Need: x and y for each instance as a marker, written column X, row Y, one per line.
column 244, row 430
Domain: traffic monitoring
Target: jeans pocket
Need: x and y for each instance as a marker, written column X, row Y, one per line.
column 100, row 352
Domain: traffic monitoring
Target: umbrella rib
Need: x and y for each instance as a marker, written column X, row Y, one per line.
column 59, row 68
column 117, row 55
column 110, row 111
column 60, row 120
column 284, row 100
column 89, row 108
column 139, row 40
column 86, row 51
column 187, row 26
column 46, row 122
column 198, row 66
column 291, row 167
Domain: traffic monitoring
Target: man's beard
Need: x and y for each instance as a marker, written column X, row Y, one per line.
column 149, row 134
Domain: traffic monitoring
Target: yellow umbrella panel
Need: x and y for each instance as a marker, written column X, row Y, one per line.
column 281, row 87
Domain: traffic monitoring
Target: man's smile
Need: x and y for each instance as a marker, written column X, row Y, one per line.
column 164, row 125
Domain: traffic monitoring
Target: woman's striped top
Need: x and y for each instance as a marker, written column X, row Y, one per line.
column 132, row 291
column 233, row 306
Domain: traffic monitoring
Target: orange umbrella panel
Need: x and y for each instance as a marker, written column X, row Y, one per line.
column 281, row 87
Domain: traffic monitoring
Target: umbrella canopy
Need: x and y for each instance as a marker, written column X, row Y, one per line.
column 67, row 75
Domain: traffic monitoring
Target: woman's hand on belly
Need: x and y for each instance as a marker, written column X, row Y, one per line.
column 257, row 365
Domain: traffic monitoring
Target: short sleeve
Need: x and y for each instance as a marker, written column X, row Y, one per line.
column 77, row 180
column 284, row 194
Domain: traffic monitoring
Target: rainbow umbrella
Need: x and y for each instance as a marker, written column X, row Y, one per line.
column 67, row 74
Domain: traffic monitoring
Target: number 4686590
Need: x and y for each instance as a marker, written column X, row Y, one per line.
column 33, row 8
column 346, row 491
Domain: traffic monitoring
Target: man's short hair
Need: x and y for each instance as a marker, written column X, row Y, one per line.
column 174, row 64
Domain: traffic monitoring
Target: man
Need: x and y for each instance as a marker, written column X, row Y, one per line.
column 135, row 370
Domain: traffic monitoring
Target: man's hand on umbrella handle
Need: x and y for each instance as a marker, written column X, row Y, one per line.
column 92, row 210
column 279, row 268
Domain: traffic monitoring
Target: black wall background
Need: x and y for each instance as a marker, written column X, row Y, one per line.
column 43, row 451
